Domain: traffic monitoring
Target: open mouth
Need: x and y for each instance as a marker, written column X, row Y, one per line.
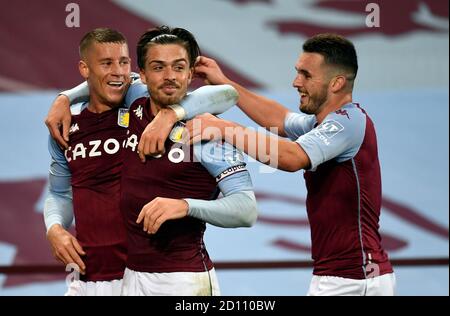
column 116, row 84
column 303, row 95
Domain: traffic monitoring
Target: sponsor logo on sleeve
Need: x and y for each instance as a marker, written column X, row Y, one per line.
column 327, row 130
column 230, row 154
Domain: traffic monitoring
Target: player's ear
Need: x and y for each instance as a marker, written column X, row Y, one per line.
column 337, row 83
column 191, row 75
column 84, row 69
column 142, row 75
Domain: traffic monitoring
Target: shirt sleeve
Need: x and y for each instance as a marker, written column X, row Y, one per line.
column 58, row 208
column 296, row 125
column 136, row 90
column 209, row 99
column 337, row 137
column 78, row 94
column 238, row 206
column 225, row 163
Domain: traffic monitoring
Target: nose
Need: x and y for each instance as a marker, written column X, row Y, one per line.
column 297, row 83
column 119, row 69
column 169, row 73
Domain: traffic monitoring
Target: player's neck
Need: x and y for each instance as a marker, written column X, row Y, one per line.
column 332, row 105
column 96, row 106
column 155, row 108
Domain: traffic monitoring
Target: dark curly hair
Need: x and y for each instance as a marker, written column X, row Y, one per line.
column 336, row 50
column 164, row 35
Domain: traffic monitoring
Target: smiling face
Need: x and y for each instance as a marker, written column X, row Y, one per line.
column 312, row 82
column 167, row 73
column 106, row 67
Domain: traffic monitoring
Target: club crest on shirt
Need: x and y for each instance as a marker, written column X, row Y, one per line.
column 123, row 117
column 177, row 132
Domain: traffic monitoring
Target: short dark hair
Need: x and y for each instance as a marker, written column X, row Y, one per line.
column 100, row 35
column 336, row 50
column 164, row 35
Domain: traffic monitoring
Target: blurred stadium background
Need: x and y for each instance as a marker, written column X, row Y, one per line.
column 402, row 83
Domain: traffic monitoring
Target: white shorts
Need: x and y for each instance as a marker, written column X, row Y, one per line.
column 170, row 283
column 99, row 288
column 383, row 285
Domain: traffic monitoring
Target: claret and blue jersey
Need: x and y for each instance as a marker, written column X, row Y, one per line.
column 178, row 245
column 344, row 191
column 92, row 170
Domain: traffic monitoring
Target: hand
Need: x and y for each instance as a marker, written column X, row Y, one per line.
column 204, row 127
column 209, row 71
column 160, row 210
column 65, row 247
column 59, row 115
column 155, row 134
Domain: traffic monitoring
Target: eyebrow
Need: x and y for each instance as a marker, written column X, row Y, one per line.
column 302, row 71
column 163, row 62
column 109, row 59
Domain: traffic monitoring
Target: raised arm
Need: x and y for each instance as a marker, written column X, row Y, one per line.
column 59, row 118
column 266, row 148
column 262, row 110
column 207, row 99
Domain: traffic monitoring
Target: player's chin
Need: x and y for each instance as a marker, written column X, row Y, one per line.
column 172, row 99
column 304, row 108
column 115, row 99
